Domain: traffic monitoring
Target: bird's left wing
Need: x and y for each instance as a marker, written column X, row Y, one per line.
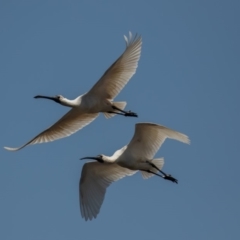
column 149, row 137
column 120, row 72
column 70, row 123
column 95, row 179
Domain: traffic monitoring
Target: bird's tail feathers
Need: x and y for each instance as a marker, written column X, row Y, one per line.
column 158, row 162
column 120, row 105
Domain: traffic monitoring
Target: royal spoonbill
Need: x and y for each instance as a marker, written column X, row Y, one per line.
column 138, row 155
column 85, row 108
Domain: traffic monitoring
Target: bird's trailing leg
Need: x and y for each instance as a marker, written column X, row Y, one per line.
column 165, row 176
column 117, row 113
column 149, row 171
column 124, row 113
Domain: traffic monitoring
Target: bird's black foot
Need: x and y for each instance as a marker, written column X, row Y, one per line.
column 130, row 114
column 170, row 178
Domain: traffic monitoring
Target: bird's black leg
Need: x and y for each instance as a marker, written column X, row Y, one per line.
column 117, row 113
column 126, row 114
column 149, row 171
column 165, row 176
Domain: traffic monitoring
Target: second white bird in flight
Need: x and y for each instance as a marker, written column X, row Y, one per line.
column 87, row 107
column 137, row 155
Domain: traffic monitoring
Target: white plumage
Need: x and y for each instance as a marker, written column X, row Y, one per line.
column 137, row 155
column 86, row 107
column 95, row 178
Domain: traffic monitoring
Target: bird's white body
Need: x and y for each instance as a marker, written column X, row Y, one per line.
column 87, row 107
column 124, row 158
column 138, row 155
column 128, row 161
column 88, row 103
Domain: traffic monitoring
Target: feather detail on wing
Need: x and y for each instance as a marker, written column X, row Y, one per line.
column 120, row 72
column 149, row 137
column 95, row 179
column 70, row 123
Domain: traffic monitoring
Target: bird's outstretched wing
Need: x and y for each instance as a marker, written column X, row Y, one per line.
column 95, row 179
column 120, row 72
column 149, row 137
column 70, row 123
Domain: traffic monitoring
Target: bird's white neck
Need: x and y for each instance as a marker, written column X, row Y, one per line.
column 70, row 103
column 115, row 157
column 109, row 159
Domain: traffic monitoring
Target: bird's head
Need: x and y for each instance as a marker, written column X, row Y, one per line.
column 99, row 158
column 59, row 98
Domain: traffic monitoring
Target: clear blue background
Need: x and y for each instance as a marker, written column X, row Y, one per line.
column 187, row 79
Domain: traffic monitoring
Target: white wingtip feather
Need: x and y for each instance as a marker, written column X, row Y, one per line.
column 130, row 35
column 129, row 38
column 126, row 39
column 182, row 138
column 175, row 135
column 11, row 149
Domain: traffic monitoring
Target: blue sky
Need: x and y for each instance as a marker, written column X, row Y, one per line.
column 187, row 79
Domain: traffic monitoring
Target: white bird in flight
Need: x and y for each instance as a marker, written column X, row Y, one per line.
column 87, row 107
column 138, row 155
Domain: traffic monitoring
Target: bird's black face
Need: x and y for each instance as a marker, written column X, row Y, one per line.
column 56, row 98
column 98, row 158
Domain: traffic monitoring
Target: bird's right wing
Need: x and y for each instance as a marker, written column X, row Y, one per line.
column 149, row 137
column 95, row 179
column 120, row 72
column 70, row 123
